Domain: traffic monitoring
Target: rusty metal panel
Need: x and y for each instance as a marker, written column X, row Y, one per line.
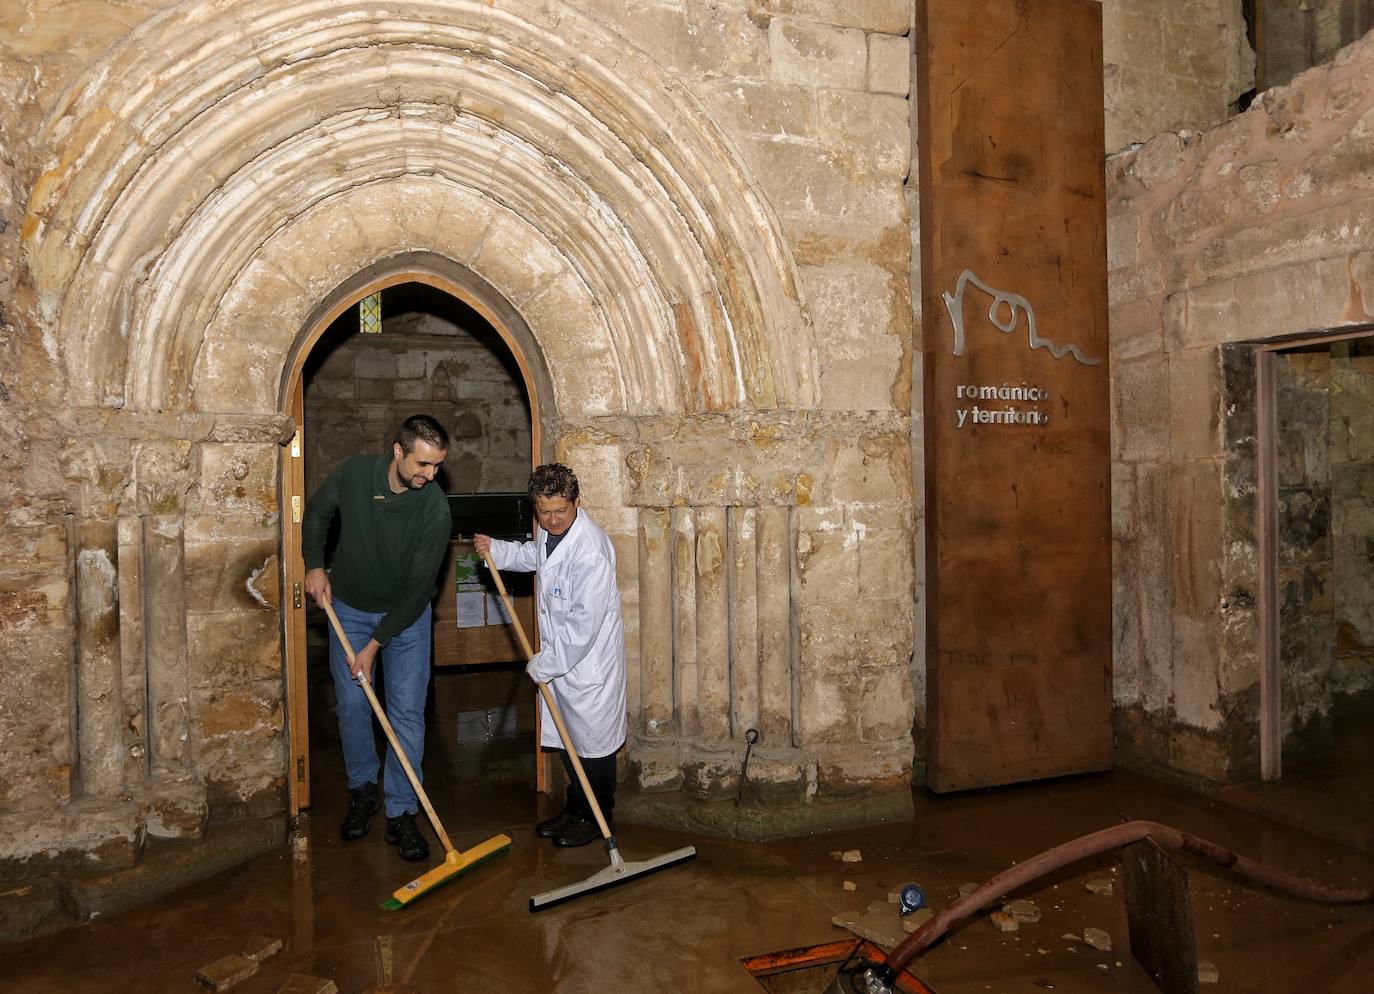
column 1159, row 916
column 1014, row 285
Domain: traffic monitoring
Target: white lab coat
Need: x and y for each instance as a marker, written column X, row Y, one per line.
column 582, row 636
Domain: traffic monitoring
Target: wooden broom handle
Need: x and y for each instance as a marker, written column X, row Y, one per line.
column 548, row 700
column 390, row 732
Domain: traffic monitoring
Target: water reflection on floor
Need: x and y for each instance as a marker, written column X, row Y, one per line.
column 686, row 928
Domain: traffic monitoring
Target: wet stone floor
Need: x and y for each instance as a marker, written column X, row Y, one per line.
column 686, row 928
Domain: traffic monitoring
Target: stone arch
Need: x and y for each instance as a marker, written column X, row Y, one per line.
column 181, row 169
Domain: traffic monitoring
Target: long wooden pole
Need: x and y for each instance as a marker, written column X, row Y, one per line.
column 390, row 732
column 548, row 700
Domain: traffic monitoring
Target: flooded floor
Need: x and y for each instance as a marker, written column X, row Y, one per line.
column 686, row 929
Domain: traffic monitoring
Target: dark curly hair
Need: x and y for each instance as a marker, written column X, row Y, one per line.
column 553, row 479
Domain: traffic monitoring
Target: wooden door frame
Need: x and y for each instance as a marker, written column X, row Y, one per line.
column 1267, row 538
column 459, row 282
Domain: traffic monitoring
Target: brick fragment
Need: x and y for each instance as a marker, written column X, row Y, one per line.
column 226, row 972
column 260, row 947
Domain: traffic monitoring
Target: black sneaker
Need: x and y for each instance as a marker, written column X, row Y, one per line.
column 550, row 827
column 578, row 833
column 404, row 834
column 363, row 803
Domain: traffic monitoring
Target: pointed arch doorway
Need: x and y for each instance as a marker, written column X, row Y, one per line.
column 417, row 275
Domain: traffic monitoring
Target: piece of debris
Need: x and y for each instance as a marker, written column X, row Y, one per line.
column 260, row 947
column 224, row 973
column 1023, row 911
column 1099, row 885
column 836, row 854
column 300, row 983
column 1071, row 937
column 1043, row 952
column 1098, row 939
column 850, row 885
column 1004, row 921
column 1103, row 966
column 880, row 923
column 851, row 856
column 1043, row 982
column 1207, row 972
column 916, row 919
column 966, row 889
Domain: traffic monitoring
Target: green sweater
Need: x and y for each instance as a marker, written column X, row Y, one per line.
column 390, row 545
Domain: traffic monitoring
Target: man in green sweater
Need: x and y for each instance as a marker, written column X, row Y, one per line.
column 394, row 529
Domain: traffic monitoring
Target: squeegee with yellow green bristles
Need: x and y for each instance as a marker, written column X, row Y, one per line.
column 456, row 861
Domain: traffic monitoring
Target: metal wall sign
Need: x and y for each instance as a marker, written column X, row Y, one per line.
column 1013, row 272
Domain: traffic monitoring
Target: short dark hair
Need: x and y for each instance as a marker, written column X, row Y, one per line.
column 553, row 479
column 421, row 426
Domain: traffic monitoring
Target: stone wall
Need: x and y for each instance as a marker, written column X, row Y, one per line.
column 1259, row 228
column 1171, row 65
column 1297, row 36
column 419, row 364
column 697, row 210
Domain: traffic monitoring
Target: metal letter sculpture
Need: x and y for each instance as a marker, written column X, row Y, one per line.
column 954, row 303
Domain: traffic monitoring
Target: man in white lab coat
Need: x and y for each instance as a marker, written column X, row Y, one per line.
column 582, row 643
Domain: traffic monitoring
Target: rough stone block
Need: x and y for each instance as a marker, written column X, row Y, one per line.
column 711, row 778
column 1301, row 297
column 226, row 972
column 230, row 649
column 807, row 53
column 886, row 704
column 239, row 573
column 1136, row 328
column 889, row 64
column 652, row 773
column 238, row 477
column 1123, row 239
column 177, row 810
column 1195, row 403
column 851, row 771
column 885, row 16
column 868, row 134
column 1136, row 391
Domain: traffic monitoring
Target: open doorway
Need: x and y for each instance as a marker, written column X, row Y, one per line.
column 1316, row 491
column 386, row 351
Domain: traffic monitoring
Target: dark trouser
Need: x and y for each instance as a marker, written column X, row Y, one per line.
column 601, row 775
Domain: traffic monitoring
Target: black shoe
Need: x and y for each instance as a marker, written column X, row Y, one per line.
column 550, row 827
column 363, row 803
column 578, row 833
column 404, row 834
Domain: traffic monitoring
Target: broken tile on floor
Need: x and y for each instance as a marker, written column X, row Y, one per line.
column 1004, row 921
column 1024, row 912
column 226, row 972
column 260, row 947
column 1098, row 939
column 916, row 919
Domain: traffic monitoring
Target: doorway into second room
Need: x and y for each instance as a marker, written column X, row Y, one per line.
column 414, row 349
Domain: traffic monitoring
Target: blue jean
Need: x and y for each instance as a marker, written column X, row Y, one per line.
column 405, row 670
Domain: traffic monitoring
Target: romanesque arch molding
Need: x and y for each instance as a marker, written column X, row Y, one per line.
column 527, row 142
